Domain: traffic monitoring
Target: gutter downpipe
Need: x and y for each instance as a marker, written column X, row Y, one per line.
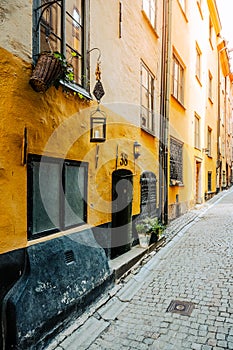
column 164, row 112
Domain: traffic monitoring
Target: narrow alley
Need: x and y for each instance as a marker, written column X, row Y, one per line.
column 182, row 298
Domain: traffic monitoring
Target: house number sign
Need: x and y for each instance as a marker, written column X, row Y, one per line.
column 124, row 159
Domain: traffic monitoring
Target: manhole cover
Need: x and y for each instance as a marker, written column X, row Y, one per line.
column 181, row 307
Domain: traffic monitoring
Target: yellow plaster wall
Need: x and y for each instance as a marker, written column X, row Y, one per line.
column 58, row 126
column 189, row 31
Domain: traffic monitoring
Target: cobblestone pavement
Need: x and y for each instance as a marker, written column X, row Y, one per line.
column 196, row 266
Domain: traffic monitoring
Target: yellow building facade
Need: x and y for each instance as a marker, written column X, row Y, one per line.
column 68, row 197
column 194, row 104
column 79, row 166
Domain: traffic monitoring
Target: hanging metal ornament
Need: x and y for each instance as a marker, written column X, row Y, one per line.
column 98, row 91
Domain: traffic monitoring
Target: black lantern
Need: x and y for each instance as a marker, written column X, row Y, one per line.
column 98, row 117
column 98, row 126
column 136, row 149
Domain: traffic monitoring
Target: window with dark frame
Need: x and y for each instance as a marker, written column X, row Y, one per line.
column 148, row 194
column 177, row 80
column 149, row 8
column 147, row 99
column 209, row 181
column 176, row 160
column 209, row 141
column 63, row 30
column 57, row 195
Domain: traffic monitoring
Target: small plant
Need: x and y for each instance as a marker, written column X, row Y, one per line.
column 150, row 225
column 66, row 65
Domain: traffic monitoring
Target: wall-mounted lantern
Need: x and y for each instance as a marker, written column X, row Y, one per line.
column 98, row 126
column 98, row 117
column 136, row 149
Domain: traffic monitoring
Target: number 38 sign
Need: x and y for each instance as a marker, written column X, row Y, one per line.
column 123, row 159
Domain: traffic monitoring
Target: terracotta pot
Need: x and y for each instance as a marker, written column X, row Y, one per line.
column 47, row 70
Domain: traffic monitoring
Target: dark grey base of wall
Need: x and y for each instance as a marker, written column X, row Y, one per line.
column 62, row 276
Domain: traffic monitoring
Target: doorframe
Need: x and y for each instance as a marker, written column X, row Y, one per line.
column 119, row 250
column 198, row 182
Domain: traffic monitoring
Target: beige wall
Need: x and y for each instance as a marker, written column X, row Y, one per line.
column 16, row 27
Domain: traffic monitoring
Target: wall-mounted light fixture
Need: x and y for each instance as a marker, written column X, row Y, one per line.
column 98, row 126
column 98, row 117
column 136, row 149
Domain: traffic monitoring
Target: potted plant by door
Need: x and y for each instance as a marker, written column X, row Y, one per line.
column 149, row 231
column 49, row 69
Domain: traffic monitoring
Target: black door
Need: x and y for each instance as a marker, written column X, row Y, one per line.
column 121, row 235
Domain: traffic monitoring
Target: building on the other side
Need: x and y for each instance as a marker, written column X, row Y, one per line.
column 224, row 140
column 193, row 104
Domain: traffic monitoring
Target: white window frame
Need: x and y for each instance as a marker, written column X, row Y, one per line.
column 147, row 99
column 149, row 7
column 177, row 79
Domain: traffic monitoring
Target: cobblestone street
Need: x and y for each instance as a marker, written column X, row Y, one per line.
column 196, row 266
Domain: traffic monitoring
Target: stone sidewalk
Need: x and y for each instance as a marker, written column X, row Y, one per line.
column 181, row 298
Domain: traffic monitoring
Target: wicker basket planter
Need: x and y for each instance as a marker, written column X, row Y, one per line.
column 48, row 69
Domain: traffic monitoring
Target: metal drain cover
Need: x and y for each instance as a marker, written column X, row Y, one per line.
column 181, row 307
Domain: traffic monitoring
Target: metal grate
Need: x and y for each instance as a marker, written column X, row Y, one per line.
column 69, row 257
column 181, row 307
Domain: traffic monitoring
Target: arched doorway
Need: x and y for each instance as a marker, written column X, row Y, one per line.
column 122, row 193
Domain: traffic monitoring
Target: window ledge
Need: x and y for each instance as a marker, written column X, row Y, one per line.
column 179, row 102
column 200, row 9
column 183, row 12
column 176, row 183
column 47, row 237
column 211, row 100
column 198, row 79
column 76, row 88
column 212, row 47
column 151, row 132
column 150, row 24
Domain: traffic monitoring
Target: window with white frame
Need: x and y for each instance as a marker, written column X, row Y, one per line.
column 211, row 31
column 196, row 131
column 57, row 194
column 61, row 26
column 210, row 86
column 147, row 99
column 209, row 141
column 177, row 80
column 183, row 5
column 149, row 8
column 199, row 4
column 198, row 63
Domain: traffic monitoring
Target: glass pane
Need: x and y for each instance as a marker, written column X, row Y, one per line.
column 145, row 98
column 74, row 36
column 144, row 77
column 50, row 26
column 45, row 194
column 146, row 7
column 74, row 193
